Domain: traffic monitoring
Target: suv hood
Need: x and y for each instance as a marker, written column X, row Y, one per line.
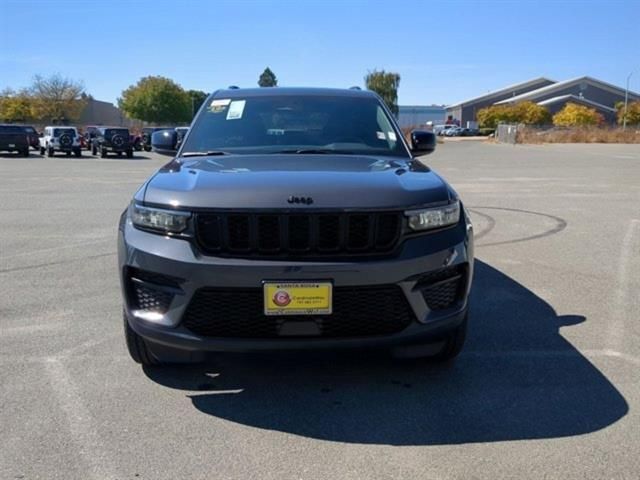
column 267, row 182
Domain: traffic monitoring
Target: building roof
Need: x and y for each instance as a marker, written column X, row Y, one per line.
column 518, row 86
column 534, row 94
column 576, row 98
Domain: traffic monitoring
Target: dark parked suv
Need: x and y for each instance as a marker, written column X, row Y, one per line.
column 293, row 219
column 147, row 132
column 14, row 138
column 112, row 140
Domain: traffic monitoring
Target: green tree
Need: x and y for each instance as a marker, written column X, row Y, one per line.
column 574, row 115
column 197, row 98
column 268, row 78
column 386, row 85
column 156, row 99
column 633, row 113
column 16, row 106
column 57, row 98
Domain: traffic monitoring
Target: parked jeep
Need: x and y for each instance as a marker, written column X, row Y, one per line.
column 13, row 138
column 112, row 140
column 146, row 136
column 60, row 139
column 32, row 136
column 89, row 135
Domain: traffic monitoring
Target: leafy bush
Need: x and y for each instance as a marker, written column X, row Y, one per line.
column 574, row 115
column 633, row 113
column 528, row 113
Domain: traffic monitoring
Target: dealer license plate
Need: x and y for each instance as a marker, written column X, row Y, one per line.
column 297, row 298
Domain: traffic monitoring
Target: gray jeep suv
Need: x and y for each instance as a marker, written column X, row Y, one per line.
column 295, row 219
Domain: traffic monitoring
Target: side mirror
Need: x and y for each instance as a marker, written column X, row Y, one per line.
column 422, row 143
column 164, row 142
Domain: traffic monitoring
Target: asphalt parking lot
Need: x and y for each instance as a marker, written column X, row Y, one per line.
column 547, row 387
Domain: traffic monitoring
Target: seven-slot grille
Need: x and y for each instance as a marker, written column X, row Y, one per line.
column 297, row 234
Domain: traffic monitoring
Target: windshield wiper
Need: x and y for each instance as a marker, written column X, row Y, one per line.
column 209, row 153
column 317, row 151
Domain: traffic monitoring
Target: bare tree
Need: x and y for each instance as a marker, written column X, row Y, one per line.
column 58, row 98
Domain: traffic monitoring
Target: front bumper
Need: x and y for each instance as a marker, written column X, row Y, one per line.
column 178, row 258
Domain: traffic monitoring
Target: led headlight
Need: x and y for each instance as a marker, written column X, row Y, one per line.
column 437, row 217
column 166, row 221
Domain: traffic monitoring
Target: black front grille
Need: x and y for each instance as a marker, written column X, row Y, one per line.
column 294, row 234
column 444, row 288
column 239, row 313
column 149, row 291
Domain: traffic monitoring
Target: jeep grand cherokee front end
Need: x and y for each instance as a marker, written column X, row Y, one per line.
column 295, row 219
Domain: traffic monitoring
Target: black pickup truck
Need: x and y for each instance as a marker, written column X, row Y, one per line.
column 13, row 138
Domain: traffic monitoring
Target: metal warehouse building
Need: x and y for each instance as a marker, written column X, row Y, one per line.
column 554, row 95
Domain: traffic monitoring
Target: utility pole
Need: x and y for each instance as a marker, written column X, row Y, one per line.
column 626, row 102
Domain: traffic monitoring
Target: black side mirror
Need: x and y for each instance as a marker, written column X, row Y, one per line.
column 422, row 143
column 164, row 142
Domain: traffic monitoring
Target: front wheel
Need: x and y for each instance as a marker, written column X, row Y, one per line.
column 103, row 152
column 77, row 152
column 440, row 350
column 129, row 153
column 42, row 150
column 94, row 150
column 453, row 343
column 50, row 152
column 149, row 355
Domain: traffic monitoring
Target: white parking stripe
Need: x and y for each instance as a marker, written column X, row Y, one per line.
column 83, row 435
column 623, row 299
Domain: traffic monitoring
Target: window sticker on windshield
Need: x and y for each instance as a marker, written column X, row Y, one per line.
column 392, row 136
column 381, row 136
column 236, row 109
column 219, row 105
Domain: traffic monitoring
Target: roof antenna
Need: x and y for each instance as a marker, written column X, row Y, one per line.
column 233, row 87
column 355, row 87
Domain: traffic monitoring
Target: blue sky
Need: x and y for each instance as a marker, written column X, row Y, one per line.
column 445, row 51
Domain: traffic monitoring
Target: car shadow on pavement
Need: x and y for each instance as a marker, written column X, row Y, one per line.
column 517, row 378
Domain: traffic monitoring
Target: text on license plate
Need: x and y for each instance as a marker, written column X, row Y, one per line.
column 297, row 298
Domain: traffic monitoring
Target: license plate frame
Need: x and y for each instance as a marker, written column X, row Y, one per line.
column 299, row 297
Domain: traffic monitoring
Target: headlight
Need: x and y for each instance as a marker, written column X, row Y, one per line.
column 437, row 217
column 169, row 221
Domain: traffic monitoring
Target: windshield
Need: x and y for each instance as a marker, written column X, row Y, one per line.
column 29, row 129
column 292, row 123
column 10, row 129
column 117, row 131
column 57, row 132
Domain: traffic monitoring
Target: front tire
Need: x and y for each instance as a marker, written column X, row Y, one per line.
column 77, row 152
column 453, row 343
column 137, row 347
column 149, row 355
column 42, row 150
column 50, row 152
column 103, row 152
column 94, row 150
column 129, row 153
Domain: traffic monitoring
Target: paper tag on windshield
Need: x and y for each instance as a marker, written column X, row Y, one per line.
column 219, row 105
column 392, row 136
column 236, row 109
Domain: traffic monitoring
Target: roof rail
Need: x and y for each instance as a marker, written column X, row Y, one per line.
column 233, row 87
column 355, row 87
